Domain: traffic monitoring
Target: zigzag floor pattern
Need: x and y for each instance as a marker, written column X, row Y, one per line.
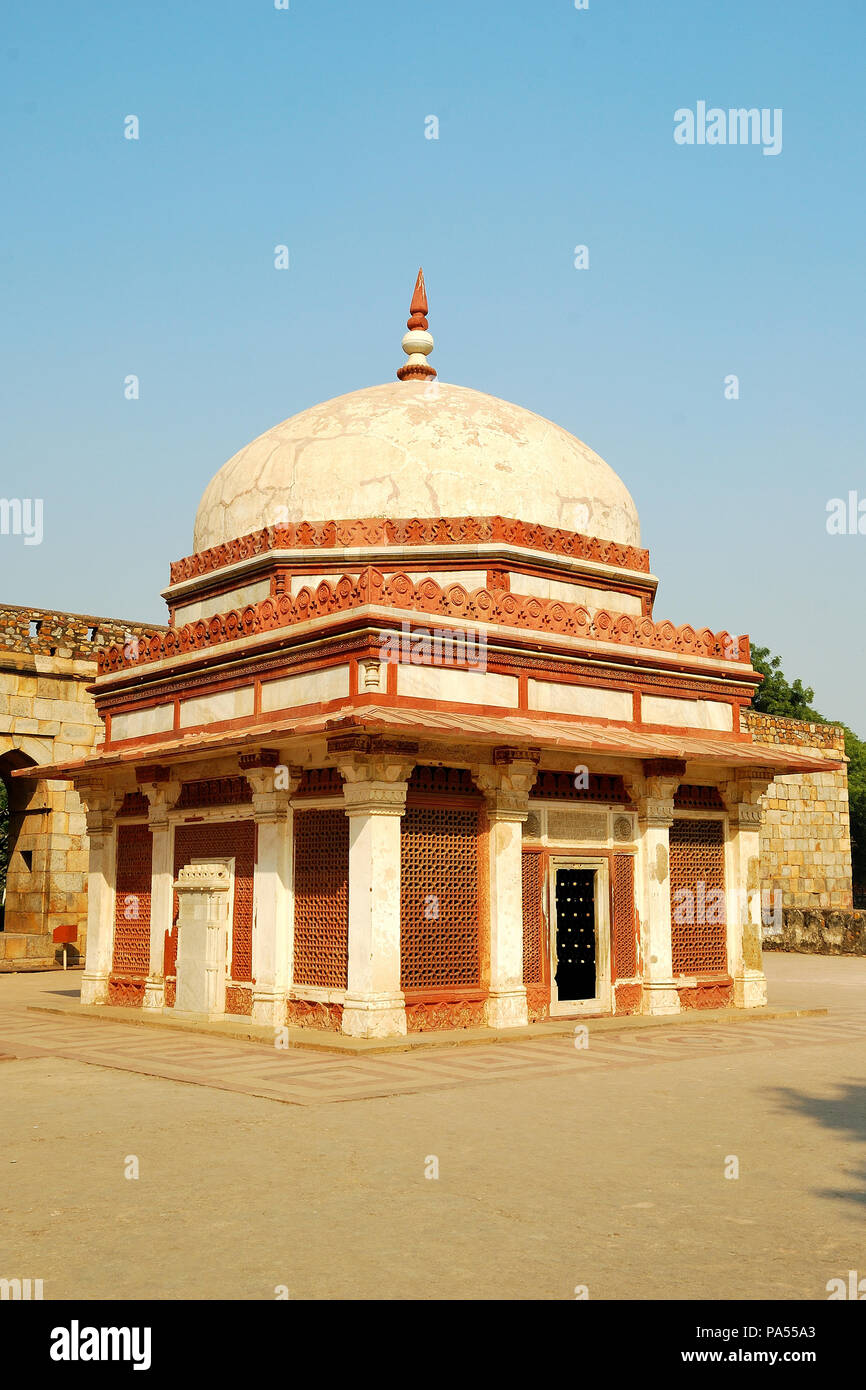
column 298, row 1077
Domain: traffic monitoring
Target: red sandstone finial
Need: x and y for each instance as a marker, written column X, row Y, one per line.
column 418, row 308
column 417, row 343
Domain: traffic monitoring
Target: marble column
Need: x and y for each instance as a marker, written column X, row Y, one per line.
column 653, row 795
column 273, row 890
column 506, row 784
column 742, row 796
column 162, row 797
column 100, row 801
column 374, row 789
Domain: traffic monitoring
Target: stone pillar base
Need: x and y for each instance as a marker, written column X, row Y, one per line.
column 374, row 1016
column 94, row 989
column 750, row 989
column 660, row 998
column 154, row 993
column 507, row 1009
column 269, row 1008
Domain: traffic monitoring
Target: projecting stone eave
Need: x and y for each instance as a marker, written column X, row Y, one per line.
column 441, row 728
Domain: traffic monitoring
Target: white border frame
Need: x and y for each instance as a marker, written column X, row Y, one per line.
column 601, row 1002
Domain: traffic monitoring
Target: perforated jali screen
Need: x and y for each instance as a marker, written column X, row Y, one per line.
column 624, row 950
column 697, row 897
column 132, row 902
column 225, row 840
column 533, row 922
column 322, row 898
column 439, row 910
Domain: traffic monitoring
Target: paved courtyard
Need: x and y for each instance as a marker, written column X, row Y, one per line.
column 557, row 1167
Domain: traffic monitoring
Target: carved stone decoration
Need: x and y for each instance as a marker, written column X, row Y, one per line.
column 399, row 591
column 537, row 1003
column 374, row 783
column 261, row 758
column 743, row 796
column 714, row 995
column 628, row 999
column 442, row 1015
column 403, row 531
column 314, row 1013
column 127, row 993
column 239, row 1000
column 507, row 781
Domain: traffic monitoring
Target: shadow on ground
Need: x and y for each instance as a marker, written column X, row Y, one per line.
column 846, row 1113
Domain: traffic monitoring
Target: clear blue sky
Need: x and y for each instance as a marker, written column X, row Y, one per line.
column 306, row 127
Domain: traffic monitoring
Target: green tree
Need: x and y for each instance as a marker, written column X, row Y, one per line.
column 793, row 700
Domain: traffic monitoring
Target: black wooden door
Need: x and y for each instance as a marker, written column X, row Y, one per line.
column 575, row 934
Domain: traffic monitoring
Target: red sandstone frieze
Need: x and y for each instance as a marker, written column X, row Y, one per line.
column 451, row 601
column 452, row 530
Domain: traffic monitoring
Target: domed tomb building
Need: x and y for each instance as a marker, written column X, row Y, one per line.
column 414, row 752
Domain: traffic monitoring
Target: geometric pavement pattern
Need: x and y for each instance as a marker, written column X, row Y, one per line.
column 296, row 1076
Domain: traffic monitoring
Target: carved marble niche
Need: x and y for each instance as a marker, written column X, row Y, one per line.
column 204, row 895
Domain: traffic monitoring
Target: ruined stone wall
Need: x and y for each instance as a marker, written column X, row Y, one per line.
column 47, row 632
column 47, row 660
column 806, row 846
column 805, row 837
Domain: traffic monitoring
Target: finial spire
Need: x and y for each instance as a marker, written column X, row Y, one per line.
column 417, row 343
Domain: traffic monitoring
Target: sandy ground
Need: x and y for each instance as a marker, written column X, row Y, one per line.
column 613, row 1178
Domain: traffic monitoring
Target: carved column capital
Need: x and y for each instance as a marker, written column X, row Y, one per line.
column 371, row 797
column 274, row 784
column 653, row 797
column 161, row 798
column 101, row 800
column 507, row 781
column 375, row 782
column 743, row 795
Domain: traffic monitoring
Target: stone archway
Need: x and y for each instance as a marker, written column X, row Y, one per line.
column 24, row 866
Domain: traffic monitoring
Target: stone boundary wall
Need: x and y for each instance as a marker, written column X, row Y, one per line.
column 49, row 632
column 805, row 836
column 817, row 932
column 47, row 661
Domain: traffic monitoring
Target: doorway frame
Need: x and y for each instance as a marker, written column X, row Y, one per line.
column 602, row 1000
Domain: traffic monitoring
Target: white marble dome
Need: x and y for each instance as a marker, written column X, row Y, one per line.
column 414, row 449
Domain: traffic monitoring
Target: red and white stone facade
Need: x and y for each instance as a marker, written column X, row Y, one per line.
column 349, row 786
